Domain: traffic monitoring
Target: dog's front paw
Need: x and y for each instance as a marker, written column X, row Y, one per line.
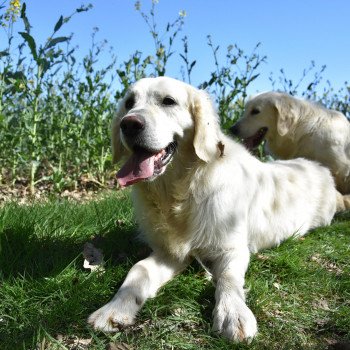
column 112, row 317
column 234, row 320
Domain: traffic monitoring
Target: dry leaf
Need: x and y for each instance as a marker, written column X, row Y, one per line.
column 321, row 304
column 93, row 257
column 84, row 342
column 119, row 346
column 120, row 222
column 262, row 257
column 326, row 264
column 277, row 285
column 72, row 342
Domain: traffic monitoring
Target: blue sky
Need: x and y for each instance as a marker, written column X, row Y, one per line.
column 292, row 33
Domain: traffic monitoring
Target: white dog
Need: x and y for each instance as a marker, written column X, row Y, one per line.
column 295, row 128
column 199, row 194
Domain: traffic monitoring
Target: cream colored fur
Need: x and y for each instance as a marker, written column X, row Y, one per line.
column 215, row 202
column 298, row 128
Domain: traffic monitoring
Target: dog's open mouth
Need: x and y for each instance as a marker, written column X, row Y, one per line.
column 143, row 165
column 254, row 141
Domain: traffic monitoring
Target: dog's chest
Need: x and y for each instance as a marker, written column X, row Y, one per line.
column 165, row 221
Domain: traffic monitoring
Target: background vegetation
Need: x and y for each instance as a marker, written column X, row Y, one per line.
column 55, row 111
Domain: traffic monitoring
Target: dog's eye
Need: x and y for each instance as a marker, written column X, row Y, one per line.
column 255, row 111
column 129, row 103
column 168, row 101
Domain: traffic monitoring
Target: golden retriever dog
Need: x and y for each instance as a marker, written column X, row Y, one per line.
column 198, row 194
column 296, row 128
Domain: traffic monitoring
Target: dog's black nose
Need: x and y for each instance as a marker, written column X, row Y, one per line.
column 234, row 129
column 132, row 125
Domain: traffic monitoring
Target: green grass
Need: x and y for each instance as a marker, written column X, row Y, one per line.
column 299, row 292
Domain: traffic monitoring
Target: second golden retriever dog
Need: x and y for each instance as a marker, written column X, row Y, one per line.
column 200, row 195
column 296, row 128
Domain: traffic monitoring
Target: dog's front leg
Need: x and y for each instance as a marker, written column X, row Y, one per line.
column 232, row 317
column 141, row 283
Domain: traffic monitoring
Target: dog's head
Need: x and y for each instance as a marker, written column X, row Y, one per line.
column 157, row 118
column 268, row 115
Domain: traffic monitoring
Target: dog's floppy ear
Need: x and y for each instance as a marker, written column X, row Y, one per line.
column 118, row 149
column 287, row 114
column 206, row 126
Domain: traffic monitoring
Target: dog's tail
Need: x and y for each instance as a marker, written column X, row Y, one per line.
column 343, row 202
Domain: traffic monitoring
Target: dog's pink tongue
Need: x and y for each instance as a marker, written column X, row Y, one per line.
column 138, row 167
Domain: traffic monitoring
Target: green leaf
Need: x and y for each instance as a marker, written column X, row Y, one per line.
column 18, row 75
column 3, row 53
column 24, row 17
column 59, row 23
column 45, row 65
column 121, row 73
column 31, row 43
column 56, row 41
column 84, row 8
column 238, row 82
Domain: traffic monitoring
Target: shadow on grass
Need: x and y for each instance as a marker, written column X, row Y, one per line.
column 44, row 287
column 41, row 240
column 342, row 216
column 24, row 254
column 45, row 258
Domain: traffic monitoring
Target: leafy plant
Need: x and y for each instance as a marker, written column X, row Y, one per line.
column 56, row 111
column 229, row 82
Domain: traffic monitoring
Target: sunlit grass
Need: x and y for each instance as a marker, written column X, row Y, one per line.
column 299, row 292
